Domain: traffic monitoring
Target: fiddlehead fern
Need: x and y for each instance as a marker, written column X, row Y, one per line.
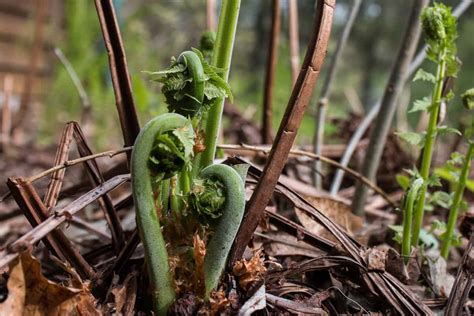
column 162, row 149
column 190, row 84
column 227, row 203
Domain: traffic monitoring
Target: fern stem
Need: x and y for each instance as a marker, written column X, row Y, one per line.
column 408, row 217
column 428, row 148
column 453, row 213
column 221, row 57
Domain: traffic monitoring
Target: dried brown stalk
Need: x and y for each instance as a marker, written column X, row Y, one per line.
column 294, row 39
column 119, row 71
column 96, row 179
column 270, row 73
column 35, row 211
column 61, row 215
column 62, row 153
column 463, row 282
column 289, row 126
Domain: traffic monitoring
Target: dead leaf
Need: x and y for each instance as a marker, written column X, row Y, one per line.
column 249, row 271
column 31, row 293
column 255, row 303
column 125, row 295
column 219, row 302
column 338, row 211
column 375, row 259
column 442, row 281
column 284, row 244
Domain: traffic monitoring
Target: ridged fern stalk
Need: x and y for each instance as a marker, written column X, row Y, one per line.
column 449, row 235
column 439, row 26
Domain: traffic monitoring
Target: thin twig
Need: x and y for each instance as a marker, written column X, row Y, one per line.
column 270, row 73
column 119, row 71
column 84, row 97
column 326, row 89
column 62, row 215
column 389, row 104
column 364, row 125
column 29, row 201
column 311, row 155
column 62, row 154
column 97, row 179
column 463, row 283
column 110, row 154
column 294, row 39
column 290, row 123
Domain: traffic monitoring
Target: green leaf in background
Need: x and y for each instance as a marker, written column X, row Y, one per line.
column 403, row 181
column 442, row 199
column 447, row 174
column 421, row 105
column 412, row 138
column 444, row 129
column 424, row 76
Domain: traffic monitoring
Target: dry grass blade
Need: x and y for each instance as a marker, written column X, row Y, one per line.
column 378, row 282
column 61, row 216
column 96, row 178
column 289, row 126
column 463, row 282
column 56, row 182
column 36, row 213
column 119, row 71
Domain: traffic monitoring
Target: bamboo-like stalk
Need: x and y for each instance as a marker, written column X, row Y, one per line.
column 326, row 90
column 294, row 39
column 374, row 109
column 389, row 102
column 270, row 73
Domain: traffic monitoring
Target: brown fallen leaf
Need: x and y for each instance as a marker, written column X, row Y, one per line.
column 337, row 211
column 31, row 293
column 278, row 243
column 249, row 272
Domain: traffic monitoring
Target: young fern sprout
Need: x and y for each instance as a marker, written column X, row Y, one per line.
column 163, row 180
column 191, row 85
column 448, row 236
column 219, row 197
column 162, row 149
column 439, row 26
column 408, row 203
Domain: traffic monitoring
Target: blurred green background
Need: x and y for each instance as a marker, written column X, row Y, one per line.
column 153, row 31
